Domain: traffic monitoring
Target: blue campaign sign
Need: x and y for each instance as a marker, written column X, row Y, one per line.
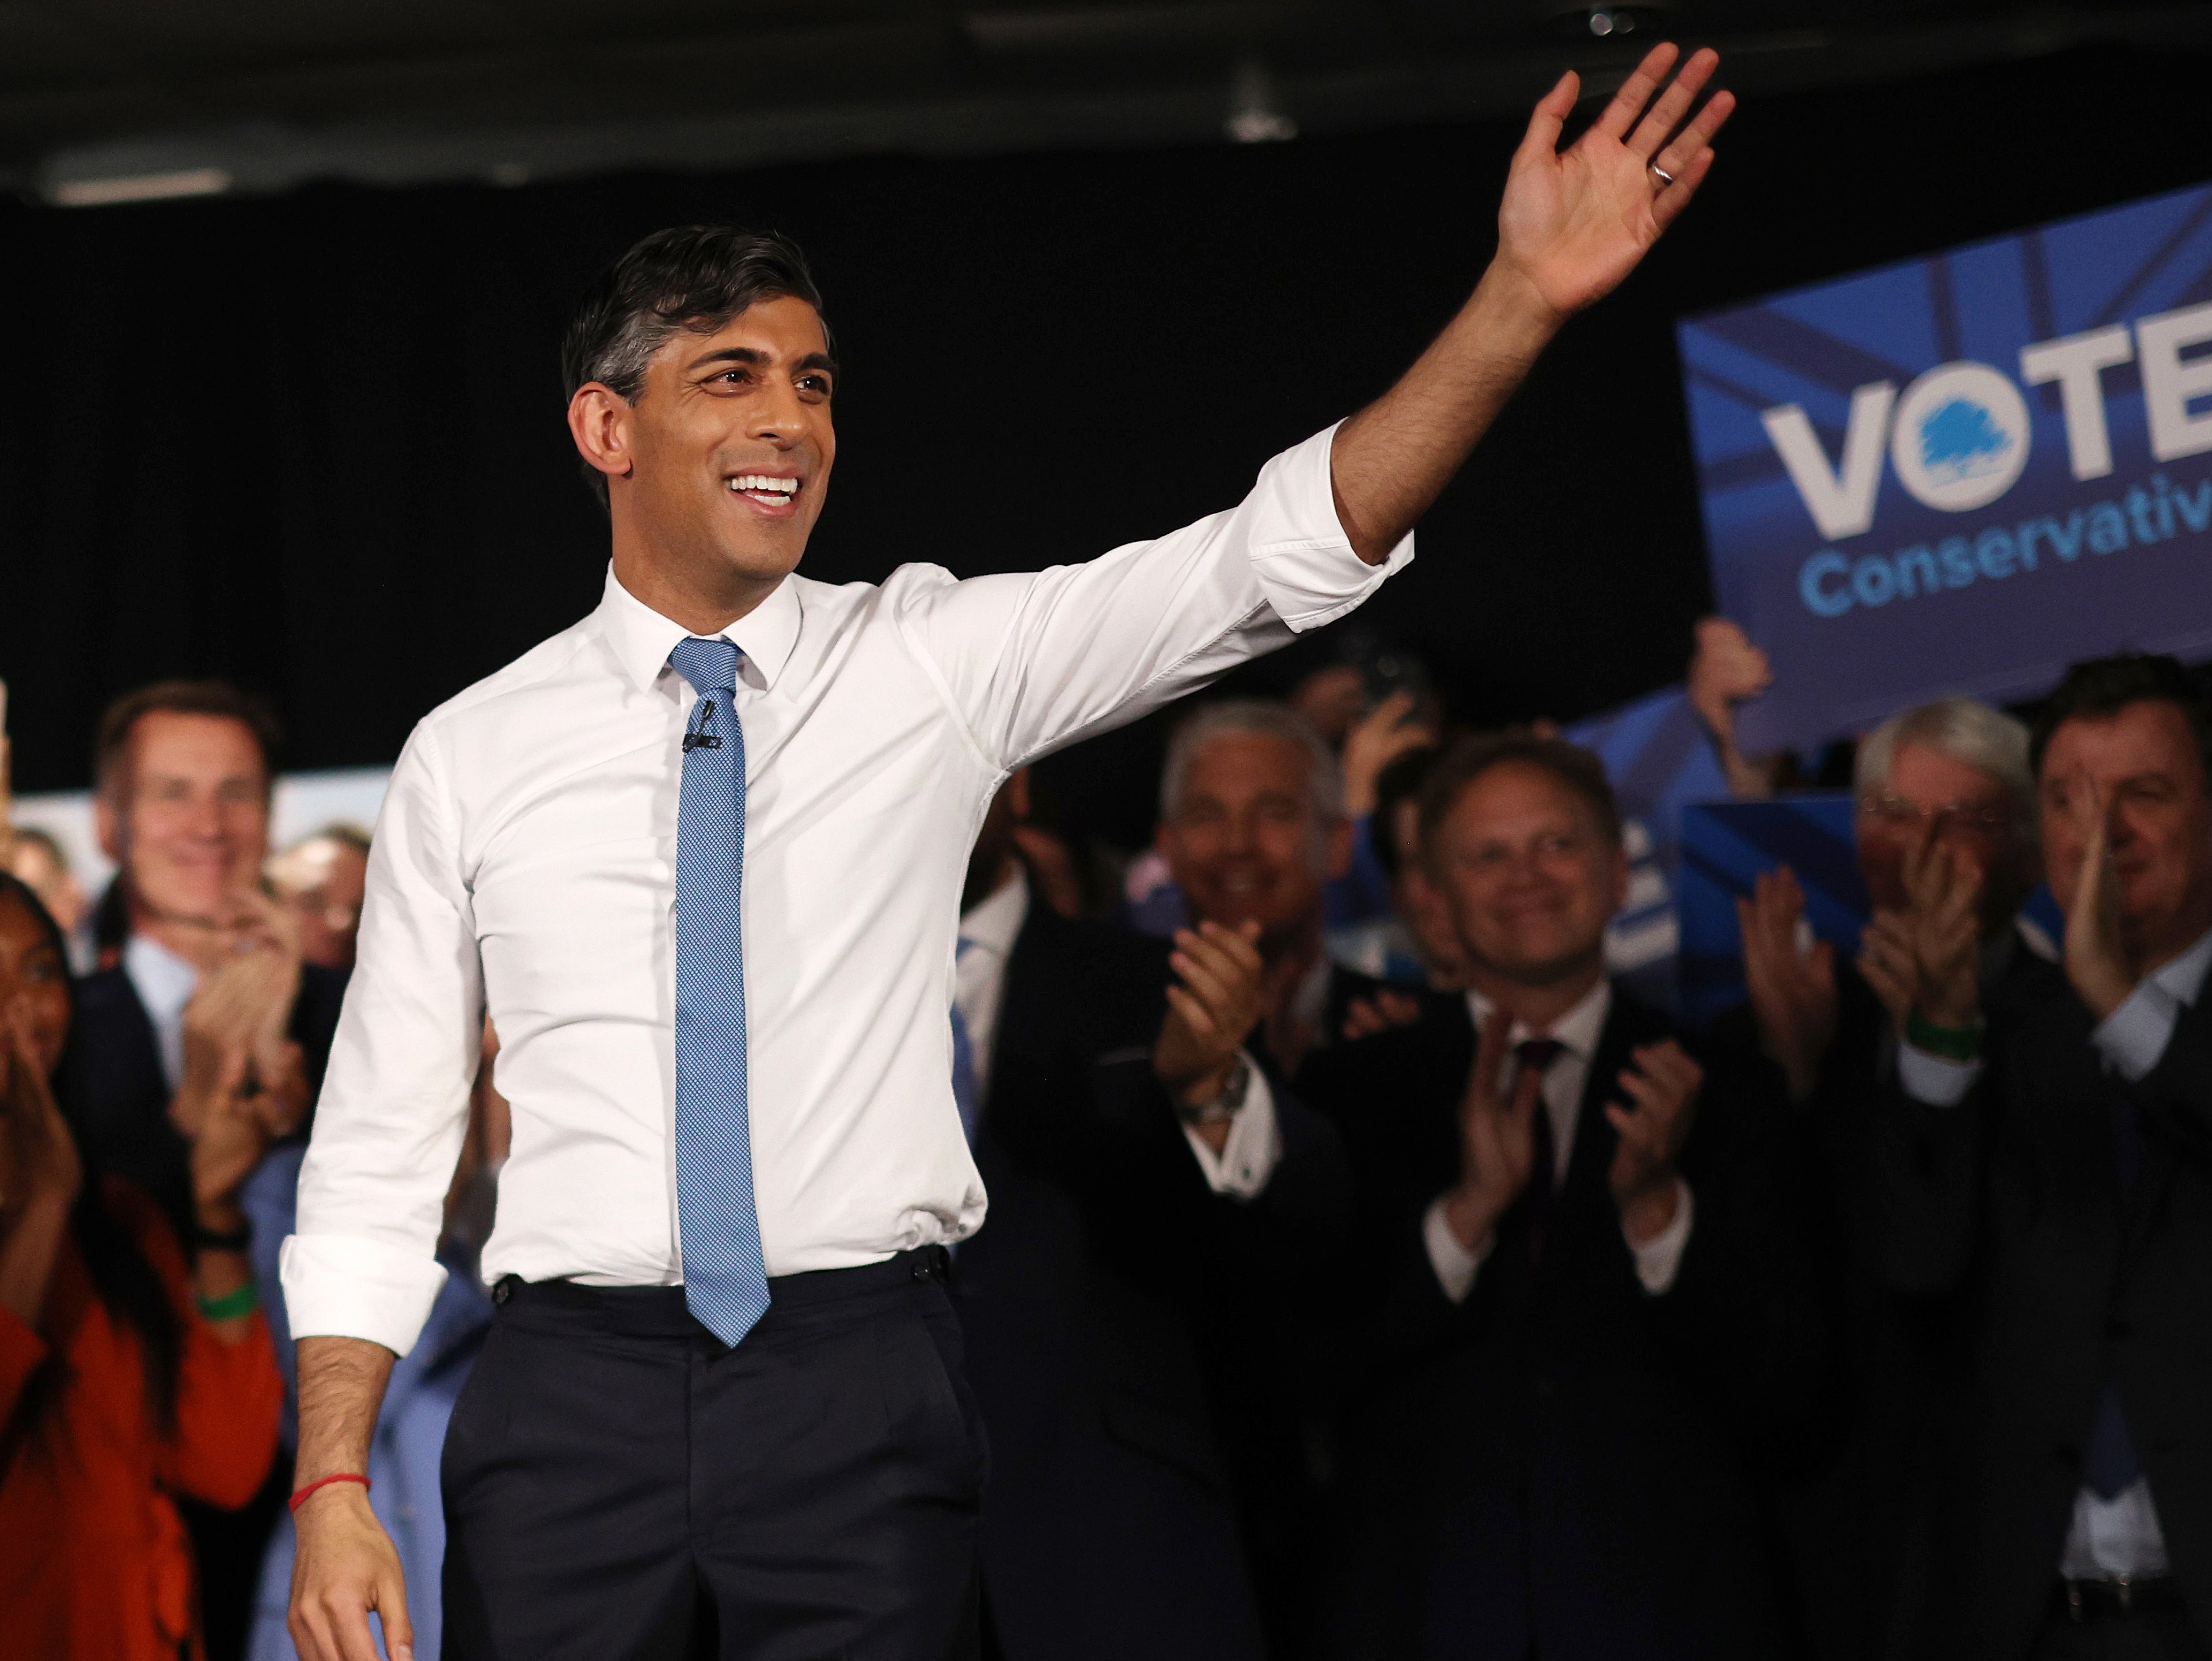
column 1959, row 474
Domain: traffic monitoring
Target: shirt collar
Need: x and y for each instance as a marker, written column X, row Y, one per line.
column 994, row 923
column 2183, row 977
column 1577, row 1031
column 163, row 981
column 642, row 639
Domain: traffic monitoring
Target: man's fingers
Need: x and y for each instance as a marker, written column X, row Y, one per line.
column 1193, row 1014
column 1490, row 1054
column 1550, row 116
column 1205, row 979
column 1241, row 946
column 1667, row 111
column 1666, row 207
column 1677, row 152
column 1627, row 105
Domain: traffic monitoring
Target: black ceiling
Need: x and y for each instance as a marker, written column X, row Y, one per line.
column 274, row 92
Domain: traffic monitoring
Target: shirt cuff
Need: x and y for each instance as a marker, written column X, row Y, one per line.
column 1301, row 556
column 341, row 1286
column 1934, row 1081
column 1253, row 1149
column 2134, row 1035
column 1659, row 1258
column 1454, row 1265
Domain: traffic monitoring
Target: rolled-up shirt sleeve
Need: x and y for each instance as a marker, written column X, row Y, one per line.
column 394, row 1103
column 1033, row 662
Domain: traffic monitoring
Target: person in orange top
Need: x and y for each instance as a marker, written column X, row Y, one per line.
column 129, row 1370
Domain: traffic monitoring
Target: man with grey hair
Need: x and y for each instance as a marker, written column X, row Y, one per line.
column 1953, row 774
column 1253, row 829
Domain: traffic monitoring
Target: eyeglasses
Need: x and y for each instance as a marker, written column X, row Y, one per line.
column 1900, row 814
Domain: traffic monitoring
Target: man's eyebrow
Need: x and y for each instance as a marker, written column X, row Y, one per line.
column 745, row 355
column 818, row 360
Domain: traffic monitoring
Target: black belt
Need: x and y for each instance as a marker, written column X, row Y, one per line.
column 2081, row 1601
column 660, row 1310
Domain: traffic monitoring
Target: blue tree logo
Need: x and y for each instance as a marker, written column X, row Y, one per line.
column 1962, row 440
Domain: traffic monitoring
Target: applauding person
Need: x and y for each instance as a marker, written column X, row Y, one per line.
column 130, row 1369
column 1157, row 1207
column 2046, row 1153
column 1584, row 1313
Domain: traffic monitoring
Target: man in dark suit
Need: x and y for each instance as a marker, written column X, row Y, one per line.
column 1585, row 1310
column 209, row 996
column 1129, row 1308
column 2047, row 1151
column 1253, row 828
column 1851, row 1498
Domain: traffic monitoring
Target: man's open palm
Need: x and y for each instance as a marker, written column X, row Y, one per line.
column 1574, row 223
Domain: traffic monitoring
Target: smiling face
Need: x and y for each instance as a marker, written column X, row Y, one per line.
column 2143, row 760
column 1971, row 811
column 188, row 818
column 31, row 970
column 1529, row 875
column 716, row 473
column 1247, row 842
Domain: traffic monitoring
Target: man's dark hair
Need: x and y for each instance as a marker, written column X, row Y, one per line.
column 1398, row 783
column 695, row 277
column 111, row 749
column 2102, row 687
column 1469, row 759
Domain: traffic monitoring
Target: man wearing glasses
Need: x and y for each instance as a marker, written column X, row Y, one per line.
column 1950, row 777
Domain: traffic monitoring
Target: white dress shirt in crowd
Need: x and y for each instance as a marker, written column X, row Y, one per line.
column 988, row 932
column 1577, row 1032
column 525, row 865
column 2120, row 1536
column 165, row 983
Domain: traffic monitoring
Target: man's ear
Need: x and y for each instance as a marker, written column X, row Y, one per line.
column 599, row 422
column 107, row 825
column 1621, row 869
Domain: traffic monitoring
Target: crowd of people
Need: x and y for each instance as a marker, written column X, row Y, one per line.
column 1370, row 1271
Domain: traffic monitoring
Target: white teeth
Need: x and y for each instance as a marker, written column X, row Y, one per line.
column 785, row 488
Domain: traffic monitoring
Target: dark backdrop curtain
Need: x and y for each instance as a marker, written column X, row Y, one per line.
column 315, row 443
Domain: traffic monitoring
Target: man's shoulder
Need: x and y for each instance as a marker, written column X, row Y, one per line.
column 1082, row 951
column 1437, row 1046
column 107, row 996
column 547, row 665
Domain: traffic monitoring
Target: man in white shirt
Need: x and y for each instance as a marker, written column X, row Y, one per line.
column 723, row 1394
column 2046, row 1154
column 1557, row 1201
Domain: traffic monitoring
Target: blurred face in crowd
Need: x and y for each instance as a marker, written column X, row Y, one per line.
column 1529, row 875
column 33, row 972
column 2143, row 762
column 187, row 817
column 323, row 880
column 1247, row 844
column 33, row 863
column 1421, row 903
column 1970, row 810
column 716, row 474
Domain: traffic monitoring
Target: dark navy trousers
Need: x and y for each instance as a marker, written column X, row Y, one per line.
column 619, row 1485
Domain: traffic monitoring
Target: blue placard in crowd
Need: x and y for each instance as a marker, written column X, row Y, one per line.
column 1960, row 473
column 1725, row 847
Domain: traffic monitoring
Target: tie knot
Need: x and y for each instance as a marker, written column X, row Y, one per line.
column 1537, row 1055
column 710, row 666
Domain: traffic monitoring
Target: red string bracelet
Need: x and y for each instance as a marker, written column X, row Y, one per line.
column 324, row 1482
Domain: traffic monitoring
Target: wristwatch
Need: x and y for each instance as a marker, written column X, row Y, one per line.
column 1224, row 1106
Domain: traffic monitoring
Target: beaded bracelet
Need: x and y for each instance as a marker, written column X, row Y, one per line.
column 231, row 1305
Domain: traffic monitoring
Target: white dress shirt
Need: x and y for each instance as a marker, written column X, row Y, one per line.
column 988, row 932
column 525, row 865
column 1577, row 1032
column 2121, row 1536
column 165, row 983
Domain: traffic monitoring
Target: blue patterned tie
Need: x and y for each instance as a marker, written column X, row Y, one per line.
column 724, row 1280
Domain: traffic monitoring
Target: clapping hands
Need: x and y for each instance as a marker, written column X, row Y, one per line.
column 1793, row 992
